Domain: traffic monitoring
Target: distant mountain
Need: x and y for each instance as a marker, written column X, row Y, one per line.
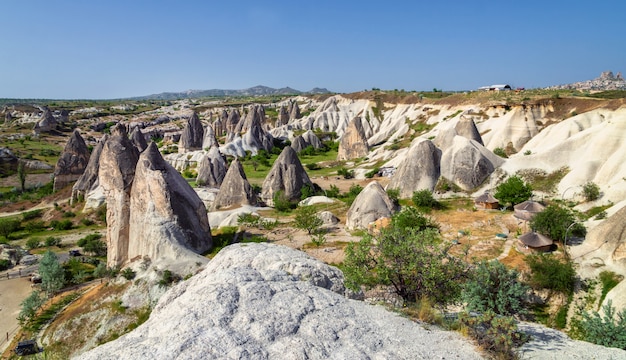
column 253, row 91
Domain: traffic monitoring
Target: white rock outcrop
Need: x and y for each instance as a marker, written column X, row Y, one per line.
column 263, row 301
column 419, row 170
column 371, row 204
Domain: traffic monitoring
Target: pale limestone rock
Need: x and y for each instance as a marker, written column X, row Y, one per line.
column 88, row 181
column 137, row 137
column 192, row 136
column 212, row 168
column 47, row 123
column 286, row 175
column 72, row 163
column 370, row 205
column 209, row 138
column 353, row 143
column 235, row 189
column 420, row 169
column 467, row 163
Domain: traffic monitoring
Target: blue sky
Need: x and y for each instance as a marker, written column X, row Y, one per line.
column 111, row 49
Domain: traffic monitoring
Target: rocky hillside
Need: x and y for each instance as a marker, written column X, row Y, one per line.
column 606, row 81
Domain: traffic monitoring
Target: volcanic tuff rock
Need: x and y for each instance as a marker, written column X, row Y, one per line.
column 47, row 123
column 256, row 138
column 312, row 139
column 264, row 301
column 467, row 128
column 419, row 170
column 235, row 188
column 294, row 111
column 8, row 161
column 370, row 205
column 283, row 117
column 192, row 136
column 116, row 174
column 233, row 120
column 209, row 138
column 286, row 175
column 168, row 221
column 212, row 168
column 353, row 143
column 299, row 144
column 467, row 163
column 88, row 181
column 136, row 136
column 72, row 163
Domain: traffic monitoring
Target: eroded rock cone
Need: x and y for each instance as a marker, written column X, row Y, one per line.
column 118, row 161
column 420, row 170
column 370, row 205
column 8, row 161
column 294, row 112
column 192, row 136
column 72, row 163
column 212, row 168
column 299, row 144
column 235, row 189
column 219, row 129
column 353, row 143
column 467, row 128
column 137, row 137
column 283, row 117
column 168, row 221
column 88, row 181
column 47, row 123
column 233, row 120
column 312, row 139
column 256, row 138
column 467, row 163
column 209, row 138
column 287, row 176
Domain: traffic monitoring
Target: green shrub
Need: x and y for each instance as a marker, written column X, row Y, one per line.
column 52, row 241
column 500, row 152
column 608, row 329
column 33, row 243
column 513, row 191
column 312, row 166
column 591, row 191
column 347, row 174
column 497, row 335
column 168, row 278
column 424, row 200
column 5, row 264
column 249, row 220
column 548, row 272
column 394, row 195
column 32, row 214
column 282, row 203
column 68, row 214
column 306, row 219
column 64, row 224
column 92, row 244
column 86, row 221
column 609, row 280
column 370, row 174
column 34, row 226
column 554, row 222
column 306, row 191
column 8, row 226
column 128, row 273
column 333, row 192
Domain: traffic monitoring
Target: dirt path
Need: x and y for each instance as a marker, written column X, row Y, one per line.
column 12, row 293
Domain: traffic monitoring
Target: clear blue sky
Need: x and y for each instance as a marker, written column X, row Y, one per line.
column 112, row 48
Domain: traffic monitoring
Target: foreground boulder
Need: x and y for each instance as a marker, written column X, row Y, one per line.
column 420, row 170
column 370, row 205
column 116, row 174
column 168, row 221
column 235, row 189
column 353, row 143
column 264, row 301
column 287, row 175
column 88, row 181
column 72, row 163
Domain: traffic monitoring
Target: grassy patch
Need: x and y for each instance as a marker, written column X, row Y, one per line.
column 609, row 280
column 540, row 180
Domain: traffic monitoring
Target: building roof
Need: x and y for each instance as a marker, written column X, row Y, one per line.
column 535, row 240
column 486, row 198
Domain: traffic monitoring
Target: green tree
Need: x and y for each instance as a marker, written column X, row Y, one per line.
column 608, row 329
column 412, row 260
column 493, row 287
column 52, row 273
column 30, row 305
column 92, row 244
column 513, row 191
column 21, row 175
column 8, row 226
column 591, row 191
column 554, row 221
column 548, row 272
column 424, row 200
column 306, row 219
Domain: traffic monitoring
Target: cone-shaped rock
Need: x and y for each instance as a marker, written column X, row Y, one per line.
column 233, row 120
column 117, row 170
column 299, row 144
column 370, row 205
column 209, row 138
column 138, row 139
column 286, row 175
column 192, row 136
column 283, row 117
column 467, row 128
column 47, row 123
column 168, row 219
column 212, row 168
column 88, row 181
column 420, row 169
column 256, row 113
column 256, row 138
column 467, row 163
column 353, row 143
column 219, row 127
column 235, row 189
column 312, row 139
column 72, row 163
column 294, row 113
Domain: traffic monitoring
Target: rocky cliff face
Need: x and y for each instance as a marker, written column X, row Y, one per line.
column 168, row 221
column 353, row 143
column 370, row 205
column 419, row 170
column 235, row 189
column 192, row 136
column 286, row 175
column 116, row 174
column 72, row 163
column 88, row 181
column 265, row 301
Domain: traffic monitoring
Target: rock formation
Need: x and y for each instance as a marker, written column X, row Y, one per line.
column 235, row 189
column 47, row 123
column 286, row 175
column 72, row 163
column 88, row 181
column 467, row 163
column 299, row 144
column 353, row 143
column 8, row 161
column 233, row 120
column 294, row 111
column 168, row 221
column 419, row 170
column 370, row 205
column 467, row 128
column 219, row 125
column 264, row 301
column 192, row 136
column 117, row 171
column 283, row 117
column 212, row 168
column 209, row 138
column 256, row 113
column 256, row 138
column 136, row 136
column 312, row 139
